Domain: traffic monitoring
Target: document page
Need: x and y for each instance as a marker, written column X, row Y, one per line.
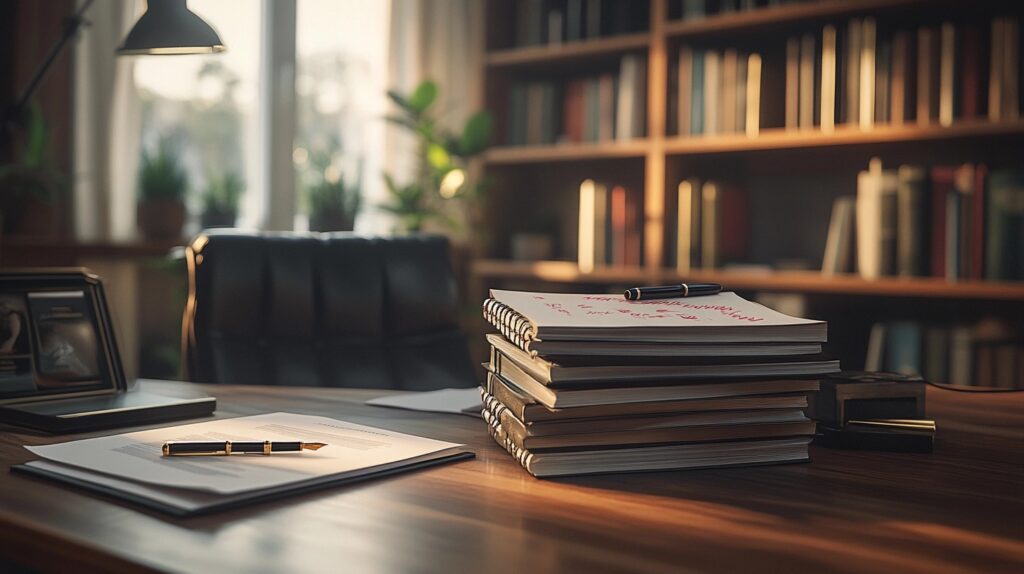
column 137, row 455
column 457, row 401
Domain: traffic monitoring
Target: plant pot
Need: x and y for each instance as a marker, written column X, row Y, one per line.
column 217, row 218
column 161, row 219
column 331, row 222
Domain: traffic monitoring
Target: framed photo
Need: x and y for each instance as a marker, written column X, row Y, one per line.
column 56, row 338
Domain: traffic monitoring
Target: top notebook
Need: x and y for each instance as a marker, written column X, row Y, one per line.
column 725, row 318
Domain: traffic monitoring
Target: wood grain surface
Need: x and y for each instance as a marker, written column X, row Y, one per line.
column 959, row 509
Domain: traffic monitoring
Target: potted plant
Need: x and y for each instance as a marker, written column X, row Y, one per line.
column 30, row 187
column 220, row 200
column 442, row 174
column 163, row 185
column 333, row 203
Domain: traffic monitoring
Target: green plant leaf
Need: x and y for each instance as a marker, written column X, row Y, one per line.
column 401, row 101
column 423, row 96
column 438, row 156
column 476, row 135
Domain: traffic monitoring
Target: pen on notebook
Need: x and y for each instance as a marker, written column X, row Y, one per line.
column 227, row 447
column 671, row 291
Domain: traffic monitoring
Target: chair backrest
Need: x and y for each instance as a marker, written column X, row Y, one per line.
column 333, row 310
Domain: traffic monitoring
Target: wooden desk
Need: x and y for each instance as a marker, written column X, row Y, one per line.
column 959, row 509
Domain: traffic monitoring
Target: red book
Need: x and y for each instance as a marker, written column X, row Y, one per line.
column 633, row 230
column 618, row 225
column 942, row 185
column 970, row 74
column 977, row 240
column 733, row 224
column 573, row 111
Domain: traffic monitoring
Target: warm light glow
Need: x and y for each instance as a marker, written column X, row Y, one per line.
column 451, row 183
column 586, row 231
column 332, row 174
column 300, row 155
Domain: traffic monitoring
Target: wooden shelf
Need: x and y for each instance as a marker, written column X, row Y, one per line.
column 554, row 54
column 566, row 152
column 775, row 139
column 787, row 281
column 35, row 252
column 783, row 14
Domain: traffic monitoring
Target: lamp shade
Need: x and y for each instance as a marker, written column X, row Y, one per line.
column 169, row 27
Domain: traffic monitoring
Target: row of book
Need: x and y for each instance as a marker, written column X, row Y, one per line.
column 951, row 222
column 987, row 354
column 610, row 226
column 699, row 9
column 600, row 108
column 540, row 22
column 586, row 384
column 715, row 92
column 861, row 74
column 712, row 225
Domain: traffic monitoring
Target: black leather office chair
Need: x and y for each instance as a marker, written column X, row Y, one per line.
column 332, row 310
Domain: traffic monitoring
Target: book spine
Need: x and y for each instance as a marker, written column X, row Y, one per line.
column 510, row 323
column 685, row 104
column 753, row 104
column 867, row 75
column 828, row 78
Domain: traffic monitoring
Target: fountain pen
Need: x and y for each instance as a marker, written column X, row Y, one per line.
column 227, row 447
column 670, row 291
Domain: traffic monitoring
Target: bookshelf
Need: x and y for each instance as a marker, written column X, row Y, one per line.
column 539, row 177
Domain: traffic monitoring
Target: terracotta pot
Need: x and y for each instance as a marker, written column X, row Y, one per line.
column 161, row 219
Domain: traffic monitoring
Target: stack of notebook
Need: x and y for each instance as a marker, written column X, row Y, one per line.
column 584, row 384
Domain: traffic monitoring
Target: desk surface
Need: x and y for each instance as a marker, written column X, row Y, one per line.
column 961, row 508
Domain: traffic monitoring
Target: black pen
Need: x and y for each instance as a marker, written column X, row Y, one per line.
column 228, row 447
column 672, row 291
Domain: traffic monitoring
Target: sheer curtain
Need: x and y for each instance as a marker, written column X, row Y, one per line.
column 106, row 126
column 440, row 40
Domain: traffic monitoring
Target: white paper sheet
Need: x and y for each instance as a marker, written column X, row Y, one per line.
column 136, row 456
column 457, row 401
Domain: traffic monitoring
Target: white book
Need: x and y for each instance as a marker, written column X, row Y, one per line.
column 586, row 255
column 727, row 112
column 712, row 87
column 753, row 123
column 854, row 36
column 828, row 79
column 869, row 221
column 685, row 220
column 867, row 75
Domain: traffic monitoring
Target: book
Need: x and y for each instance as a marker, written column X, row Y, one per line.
column 617, row 215
column 530, row 410
column 523, row 438
column 1004, row 238
column 839, row 242
column 712, row 91
column 559, row 398
column 828, row 79
column 697, row 94
column 604, row 114
column 912, row 221
column 631, row 349
column 725, row 224
column 995, row 69
column 648, row 458
column 752, row 124
column 947, row 70
column 941, row 189
column 869, row 221
column 506, row 415
column 866, row 114
column 688, row 215
column 887, row 223
column 901, row 80
column 927, row 75
column 684, row 104
column 971, row 67
column 903, row 348
column 618, row 370
column 792, row 114
column 725, row 317
column 727, row 113
column 740, row 105
column 586, row 245
column 805, row 114
column 851, row 72
column 883, row 80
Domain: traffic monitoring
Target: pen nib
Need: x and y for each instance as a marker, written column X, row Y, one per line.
column 313, row 445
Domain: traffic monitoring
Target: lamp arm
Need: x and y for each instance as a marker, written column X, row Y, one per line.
column 71, row 26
